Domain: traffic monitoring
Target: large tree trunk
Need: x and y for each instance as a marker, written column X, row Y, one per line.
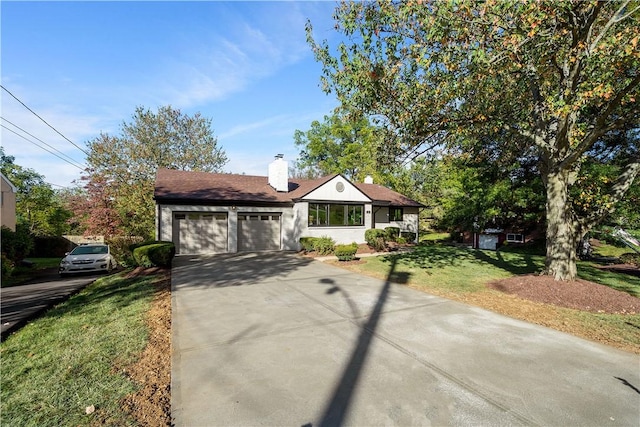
column 562, row 228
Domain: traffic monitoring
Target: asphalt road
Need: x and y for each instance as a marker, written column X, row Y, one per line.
column 19, row 304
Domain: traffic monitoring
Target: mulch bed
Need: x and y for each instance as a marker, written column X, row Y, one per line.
column 579, row 294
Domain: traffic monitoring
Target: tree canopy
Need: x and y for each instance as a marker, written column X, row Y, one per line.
column 536, row 79
column 121, row 170
column 39, row 208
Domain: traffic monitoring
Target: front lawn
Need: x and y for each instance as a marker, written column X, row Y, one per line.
column 74, row 356
column 462, row 274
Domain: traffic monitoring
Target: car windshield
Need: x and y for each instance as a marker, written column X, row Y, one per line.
column 86, row 250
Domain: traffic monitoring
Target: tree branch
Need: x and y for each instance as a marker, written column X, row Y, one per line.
column 613, row 20
column 618, row 190
column 599, row 128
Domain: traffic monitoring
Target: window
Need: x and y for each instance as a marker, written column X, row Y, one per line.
column 333, row 214
column 517, row 238
column 395, row 214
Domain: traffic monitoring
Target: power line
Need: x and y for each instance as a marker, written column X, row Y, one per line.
column 43, row 120
column 48, row 145
column 51, row 152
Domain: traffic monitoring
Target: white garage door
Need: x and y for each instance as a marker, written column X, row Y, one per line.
column 488, row 241
column 258, row 232
column 200, row 233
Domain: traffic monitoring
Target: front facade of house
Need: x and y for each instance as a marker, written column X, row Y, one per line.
column 8, row 203
column 220, row 213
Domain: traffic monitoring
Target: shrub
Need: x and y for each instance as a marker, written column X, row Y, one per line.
column 157, row 254
column 631, row 258
column 392, row 234
column 121, row 249
column 409, row 236
column 372, row 235
column 307, row 243
column 346, row 252
column 16, row 245
column 6, row 266
column 401, row 240
column 324, row 245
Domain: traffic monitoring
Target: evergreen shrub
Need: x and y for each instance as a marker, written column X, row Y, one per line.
column 346, row 252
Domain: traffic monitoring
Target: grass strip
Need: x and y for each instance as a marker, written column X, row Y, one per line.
column 63, row 362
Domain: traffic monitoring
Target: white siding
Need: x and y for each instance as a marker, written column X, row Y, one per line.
column 342, row 235
column 328, row 192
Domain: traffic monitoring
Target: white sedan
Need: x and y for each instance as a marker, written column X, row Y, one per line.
column 88, row 258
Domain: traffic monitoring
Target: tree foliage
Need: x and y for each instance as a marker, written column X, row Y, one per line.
column 542, row 79
column 121, row 168
column 340, row 144
column 39, row 209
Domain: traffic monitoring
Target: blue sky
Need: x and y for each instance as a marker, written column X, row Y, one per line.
column 85, row 66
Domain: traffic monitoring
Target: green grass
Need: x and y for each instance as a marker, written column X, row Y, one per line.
column 620, row 282
column 453, row 268
column 73, row 356
column 434, row 236
column 606, row 250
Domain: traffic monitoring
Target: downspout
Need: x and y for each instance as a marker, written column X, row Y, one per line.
column 373, row 217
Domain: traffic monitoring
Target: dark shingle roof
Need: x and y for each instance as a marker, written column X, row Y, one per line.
column 197, row 187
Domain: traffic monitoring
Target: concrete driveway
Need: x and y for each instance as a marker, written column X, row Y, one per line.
column 276, row 339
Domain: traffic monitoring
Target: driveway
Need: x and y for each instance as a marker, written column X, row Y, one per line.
column 276, row 339
column 22, row 303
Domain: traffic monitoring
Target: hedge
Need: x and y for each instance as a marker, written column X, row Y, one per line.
column 373, row 235
column 322, row 245
column 156, row 254
column 307, row 243
column 409, row 236
column 346, row 252
column 391, row 234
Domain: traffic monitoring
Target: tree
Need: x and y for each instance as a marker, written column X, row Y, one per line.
column 340, row 144
column 539, row 78
column 121, row 169
column 39, row 208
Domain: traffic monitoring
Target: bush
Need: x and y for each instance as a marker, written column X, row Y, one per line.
column 121, row 248
column 401, row 240
column 631, row 258
column 16, row 245
column 307, row 243
column 409, row 236
column 6, row 266
column 346, row 252
column 157, row 254
column 391, row 234
column 372, row 235
column 323, row 245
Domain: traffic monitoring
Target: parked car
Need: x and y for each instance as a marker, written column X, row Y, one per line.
column 88, row 258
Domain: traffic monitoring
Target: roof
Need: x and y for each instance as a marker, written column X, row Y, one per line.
column 218, row 188
column 13, row 187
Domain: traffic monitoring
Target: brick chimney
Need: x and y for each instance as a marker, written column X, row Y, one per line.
column 279, row 174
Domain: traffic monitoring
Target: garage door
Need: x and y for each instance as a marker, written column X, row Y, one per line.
column 258, row 232
column 200, row 233
column 488, row 241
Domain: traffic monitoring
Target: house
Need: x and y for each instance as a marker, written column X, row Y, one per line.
column 216, row 213
column 8, row 203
